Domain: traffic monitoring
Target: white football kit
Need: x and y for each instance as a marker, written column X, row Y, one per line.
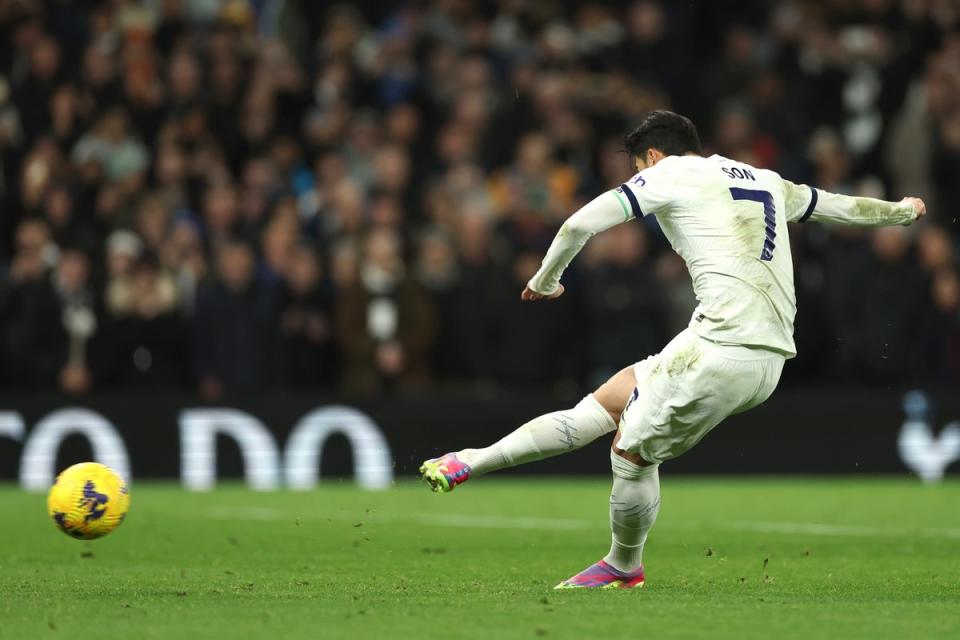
column 727, row 220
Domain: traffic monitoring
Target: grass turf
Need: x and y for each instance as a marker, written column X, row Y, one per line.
column 729, row 558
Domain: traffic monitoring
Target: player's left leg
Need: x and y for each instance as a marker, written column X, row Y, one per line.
column 543, row 437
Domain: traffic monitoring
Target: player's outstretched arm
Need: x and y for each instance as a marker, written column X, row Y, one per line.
column 598, row 215
column 822, row 206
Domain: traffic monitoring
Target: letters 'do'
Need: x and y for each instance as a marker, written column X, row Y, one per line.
column 199, row 428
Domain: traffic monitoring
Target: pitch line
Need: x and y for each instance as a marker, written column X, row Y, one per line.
column 823, row 529
column 440, row 519
column 472, row 521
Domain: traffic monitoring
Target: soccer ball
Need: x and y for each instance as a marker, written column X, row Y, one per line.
column 88, row 500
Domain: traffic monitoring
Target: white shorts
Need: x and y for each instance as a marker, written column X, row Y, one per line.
column 689, row 388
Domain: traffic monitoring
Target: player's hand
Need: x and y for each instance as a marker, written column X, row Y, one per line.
column 530, row 294
column 918, row 205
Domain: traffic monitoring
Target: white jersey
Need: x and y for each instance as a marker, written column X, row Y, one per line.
column 727, row 220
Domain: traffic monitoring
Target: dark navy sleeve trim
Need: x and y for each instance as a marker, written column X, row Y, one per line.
column 637, row 211
column 813, row 205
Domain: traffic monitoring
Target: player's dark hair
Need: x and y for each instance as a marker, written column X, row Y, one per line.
column 666, row 131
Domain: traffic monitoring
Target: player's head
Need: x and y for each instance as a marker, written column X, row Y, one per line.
column 661, row 134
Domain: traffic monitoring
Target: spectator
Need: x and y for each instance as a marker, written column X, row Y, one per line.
column 439, row 274
column 34, row 340
column 182, row 255
column 34, row 92
column 78, row 313
column 236, row 327
column 307, row 319
column 278, row 241
column 935, row 249
column 385, row 322
column 536, row 184
column 144, row 336
column 110, row 152
column 883, row 342
column 470, row 324
column 535, row 346
column 59, row 212
column 943, row 334
column 626, row 306
column 153, row 223
column 123, row 249
column 220, row 211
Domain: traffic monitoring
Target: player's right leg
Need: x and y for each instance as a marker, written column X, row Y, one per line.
column 543, row 437
column 634, row 504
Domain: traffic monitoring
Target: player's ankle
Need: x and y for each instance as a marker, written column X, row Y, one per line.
column 625, row 560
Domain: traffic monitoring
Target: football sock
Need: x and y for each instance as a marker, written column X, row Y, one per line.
column 543, row 437
column 634, row 503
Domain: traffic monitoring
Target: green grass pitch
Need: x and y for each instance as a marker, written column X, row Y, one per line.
column 729, row 558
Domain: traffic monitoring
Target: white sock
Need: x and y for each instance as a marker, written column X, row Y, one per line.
column 543, row 437
column 634, row 504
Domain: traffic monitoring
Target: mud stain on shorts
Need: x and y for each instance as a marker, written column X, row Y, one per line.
column 679, row 362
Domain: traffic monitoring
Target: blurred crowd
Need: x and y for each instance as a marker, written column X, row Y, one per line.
column 237, row 195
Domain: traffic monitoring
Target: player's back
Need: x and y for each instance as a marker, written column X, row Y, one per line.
column 727, row 220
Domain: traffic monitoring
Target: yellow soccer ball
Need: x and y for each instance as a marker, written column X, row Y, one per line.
column 88, row 500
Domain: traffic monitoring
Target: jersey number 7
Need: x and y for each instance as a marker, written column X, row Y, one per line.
column 769, row 216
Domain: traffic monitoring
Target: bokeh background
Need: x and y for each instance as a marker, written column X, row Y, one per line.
column 223, row 197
